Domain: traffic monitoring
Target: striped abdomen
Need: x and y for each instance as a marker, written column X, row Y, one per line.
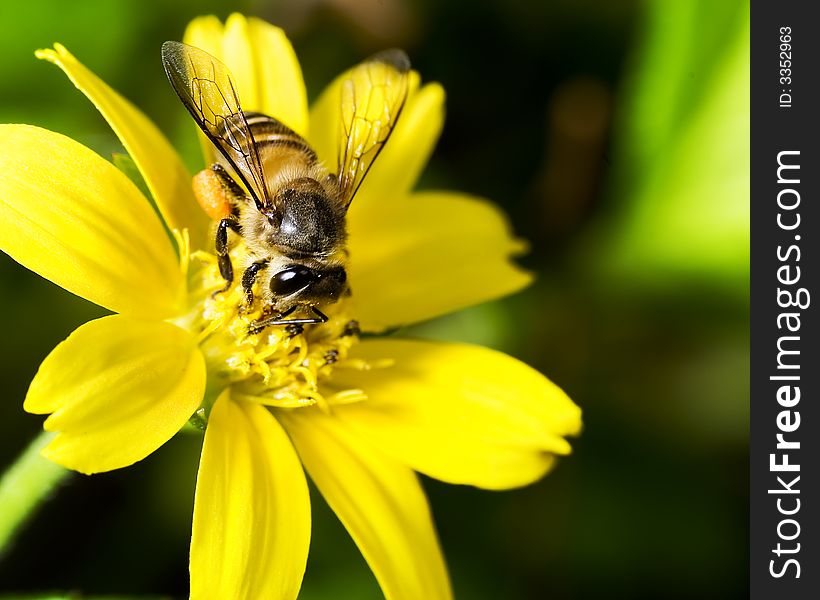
column 278, row 145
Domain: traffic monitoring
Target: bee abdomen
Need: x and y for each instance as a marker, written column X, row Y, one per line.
column 272, row 142
column 269, row 134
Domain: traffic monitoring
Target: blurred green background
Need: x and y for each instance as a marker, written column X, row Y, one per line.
column 616, row 135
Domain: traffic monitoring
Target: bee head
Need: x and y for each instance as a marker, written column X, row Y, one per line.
column 302, row 284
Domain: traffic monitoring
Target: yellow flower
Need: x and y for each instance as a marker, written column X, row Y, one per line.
column 360, row 415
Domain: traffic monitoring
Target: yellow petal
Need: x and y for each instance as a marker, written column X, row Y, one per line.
column 325, row 120
column 118, row 389
column 459, row 413
column 378, row 500
column 262, row 62
column 158, row 162
column 252, row 511
column 75, row 219
column 420, row 256
column 205, row 33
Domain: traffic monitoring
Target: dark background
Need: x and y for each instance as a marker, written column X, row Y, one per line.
column 615, row 134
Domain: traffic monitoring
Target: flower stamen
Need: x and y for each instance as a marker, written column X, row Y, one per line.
column 273, row 366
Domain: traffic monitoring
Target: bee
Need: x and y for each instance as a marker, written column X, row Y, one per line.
column 269, row 187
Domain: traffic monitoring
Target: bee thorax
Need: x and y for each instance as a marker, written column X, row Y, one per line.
column 309, row 222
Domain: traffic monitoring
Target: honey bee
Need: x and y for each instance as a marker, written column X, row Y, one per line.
column 269, row 187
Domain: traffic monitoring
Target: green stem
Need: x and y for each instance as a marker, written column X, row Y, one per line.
column 25, row 485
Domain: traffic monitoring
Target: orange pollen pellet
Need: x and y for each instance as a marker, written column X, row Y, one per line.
column 211, row 194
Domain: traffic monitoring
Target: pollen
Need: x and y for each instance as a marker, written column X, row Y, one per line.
column 280, row 366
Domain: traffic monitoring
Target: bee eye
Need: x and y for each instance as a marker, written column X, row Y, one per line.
column 291, row 280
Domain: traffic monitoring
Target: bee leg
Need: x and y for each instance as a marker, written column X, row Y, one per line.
column 259, row 325
column 249, row 277
column 223, row 258
column 288, row 312
column 228, row 182
column 280, row 319
column 322, row 316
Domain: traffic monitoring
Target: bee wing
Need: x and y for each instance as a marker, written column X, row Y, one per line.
column 373, row 94
column 206, row 89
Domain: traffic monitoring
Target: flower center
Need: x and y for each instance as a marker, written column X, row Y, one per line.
column 286, row 366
